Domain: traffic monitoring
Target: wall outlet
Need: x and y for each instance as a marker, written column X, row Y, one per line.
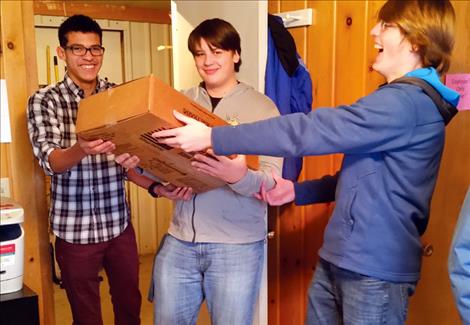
column 4, row 187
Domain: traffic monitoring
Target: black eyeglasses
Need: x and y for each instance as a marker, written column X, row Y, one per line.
column 80, row 50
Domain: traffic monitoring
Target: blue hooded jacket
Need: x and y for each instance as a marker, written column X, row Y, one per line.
column 392, row 140
column 287, row 82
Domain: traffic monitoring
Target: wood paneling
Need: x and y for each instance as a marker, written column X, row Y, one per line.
column 161, row 57
column 286, row 252
column 320, row 53
column 320, row 61
column 4, row 165
column 4, row 147
column 350, row 51
column 150, row 217
column 101, row 10
column 299, row 33
column 339, row 53
column 292, row 253
column 433, row 302
column 27, row 180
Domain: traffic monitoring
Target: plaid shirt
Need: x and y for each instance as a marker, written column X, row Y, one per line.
column 88, row 202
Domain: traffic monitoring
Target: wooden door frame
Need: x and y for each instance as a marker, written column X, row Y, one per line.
column 19, row 68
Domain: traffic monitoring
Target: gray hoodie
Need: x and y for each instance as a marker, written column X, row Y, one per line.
column 229, row 214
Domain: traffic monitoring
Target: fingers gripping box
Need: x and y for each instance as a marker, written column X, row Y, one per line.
column 128, row 114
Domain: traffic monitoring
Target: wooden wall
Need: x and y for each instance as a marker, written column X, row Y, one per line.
column 18, row 67
column 150, row 217
column 433, row 302
column 338, row 52
column 105, row 10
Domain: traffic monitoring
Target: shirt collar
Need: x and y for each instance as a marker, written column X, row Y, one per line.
column 202, row 86
column 77, row 91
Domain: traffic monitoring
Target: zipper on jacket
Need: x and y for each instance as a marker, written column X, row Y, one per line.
column 192, row 218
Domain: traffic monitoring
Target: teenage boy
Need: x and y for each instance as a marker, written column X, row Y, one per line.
column 89, row 214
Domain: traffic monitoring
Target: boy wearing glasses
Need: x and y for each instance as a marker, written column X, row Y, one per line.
column 89, row 214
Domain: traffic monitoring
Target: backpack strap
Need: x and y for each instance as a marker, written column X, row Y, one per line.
column 447, row 110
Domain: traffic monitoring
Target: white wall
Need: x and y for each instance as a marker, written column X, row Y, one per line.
column 248, row 17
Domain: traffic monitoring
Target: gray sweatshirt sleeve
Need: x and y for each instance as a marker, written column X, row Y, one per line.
column 251, row 182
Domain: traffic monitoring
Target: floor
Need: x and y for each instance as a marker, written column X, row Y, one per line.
column 62, row 309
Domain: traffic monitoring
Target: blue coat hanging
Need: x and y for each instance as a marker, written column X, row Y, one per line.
column 287, row 82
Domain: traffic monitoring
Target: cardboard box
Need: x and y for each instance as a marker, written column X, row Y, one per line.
column 128, row 114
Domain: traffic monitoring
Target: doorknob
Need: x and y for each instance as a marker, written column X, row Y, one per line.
column 428, row 249
column 271, row 234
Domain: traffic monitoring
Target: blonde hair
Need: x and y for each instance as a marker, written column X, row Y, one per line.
column 426, row 24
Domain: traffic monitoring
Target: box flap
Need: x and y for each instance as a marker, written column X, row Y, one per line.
column 113, row 105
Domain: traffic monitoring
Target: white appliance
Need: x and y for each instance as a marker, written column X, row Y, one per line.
column 11, row 246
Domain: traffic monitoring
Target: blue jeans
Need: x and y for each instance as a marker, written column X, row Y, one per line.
column 339, row 296
column 228, row 276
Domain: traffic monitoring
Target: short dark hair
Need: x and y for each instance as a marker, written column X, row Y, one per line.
column 218, row 33
column 78, row 23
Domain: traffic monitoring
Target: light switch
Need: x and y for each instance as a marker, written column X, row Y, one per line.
column 5, row 187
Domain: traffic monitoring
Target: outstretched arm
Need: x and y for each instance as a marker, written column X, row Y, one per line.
column 194, row 136
column 369, row 125
column 308, row 192
column 282, row 193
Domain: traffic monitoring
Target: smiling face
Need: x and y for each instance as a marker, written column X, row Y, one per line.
column 396, row 55
column 216, row 67
column 83, row 70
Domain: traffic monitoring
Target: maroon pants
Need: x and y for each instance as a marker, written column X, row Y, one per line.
column 80, row 264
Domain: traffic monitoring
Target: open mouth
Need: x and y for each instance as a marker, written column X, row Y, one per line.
column 379, row 47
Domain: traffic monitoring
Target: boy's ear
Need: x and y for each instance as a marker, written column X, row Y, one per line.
column 236, row 57
column 60, row 52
